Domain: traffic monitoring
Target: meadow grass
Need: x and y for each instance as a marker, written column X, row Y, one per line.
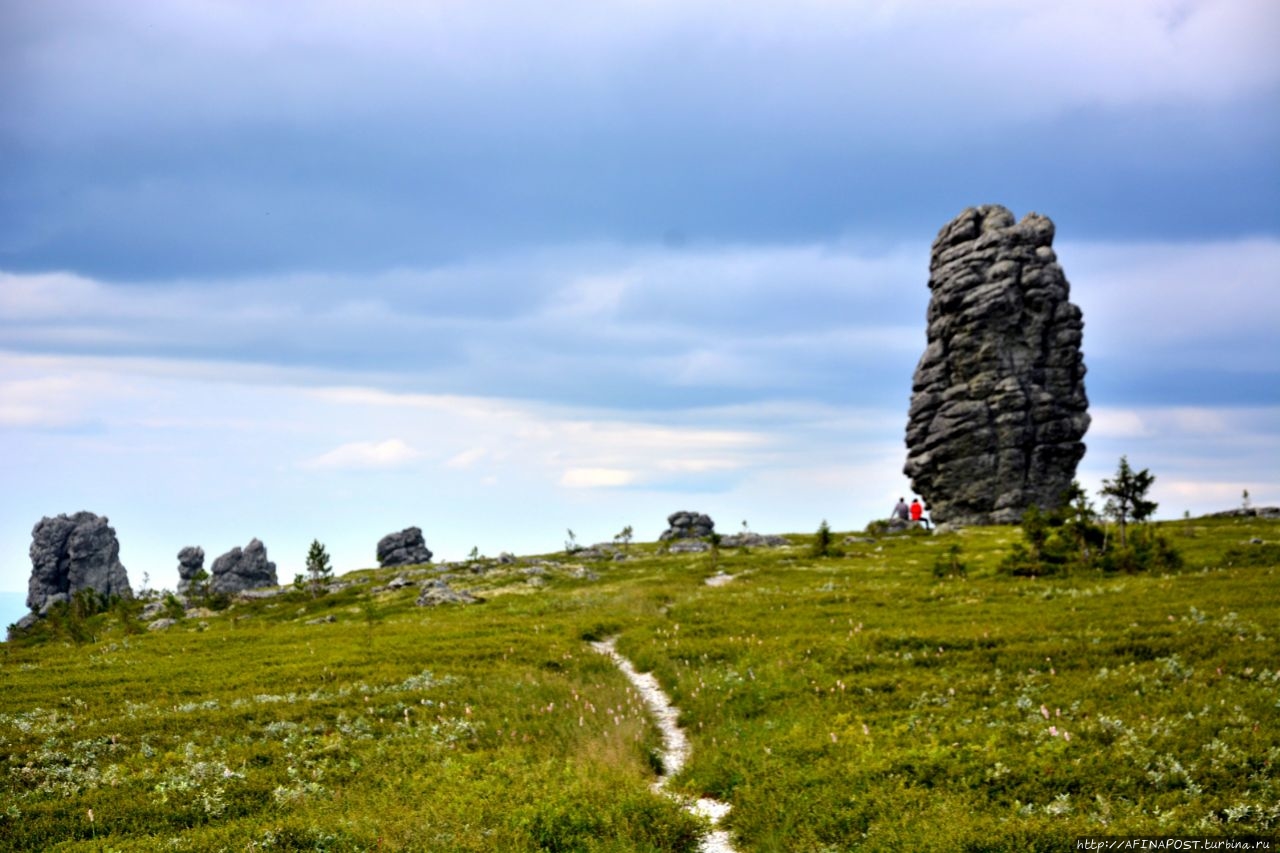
column 844, row 703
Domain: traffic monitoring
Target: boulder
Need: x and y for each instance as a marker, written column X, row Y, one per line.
column 17, row 629
column 998, row 406
column 405, row 548
column 239, row 570
column 687, row 525
column 70, row 553
column 753, row 540
column 190, row 564
column 437, row 592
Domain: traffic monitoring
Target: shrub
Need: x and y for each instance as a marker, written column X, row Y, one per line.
column 950, row 565
column 824, row 542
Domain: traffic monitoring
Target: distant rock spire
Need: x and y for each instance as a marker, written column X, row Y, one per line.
column 998, row 406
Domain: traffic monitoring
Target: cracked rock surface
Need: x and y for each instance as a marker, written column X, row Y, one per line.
column 998, row 406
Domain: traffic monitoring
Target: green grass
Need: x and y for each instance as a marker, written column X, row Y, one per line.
column 839, row 704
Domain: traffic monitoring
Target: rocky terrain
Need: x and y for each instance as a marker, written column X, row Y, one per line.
column 998, row 406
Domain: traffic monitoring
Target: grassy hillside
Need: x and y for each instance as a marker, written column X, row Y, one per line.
column 842, row 703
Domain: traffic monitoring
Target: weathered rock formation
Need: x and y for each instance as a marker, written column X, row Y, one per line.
column 74, row 552
column 998, row 406
column 190, row 564
column 237, row 570
column 405, row 548
column 687, row 525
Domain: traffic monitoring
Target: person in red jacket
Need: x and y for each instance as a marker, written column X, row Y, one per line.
column 917, row 513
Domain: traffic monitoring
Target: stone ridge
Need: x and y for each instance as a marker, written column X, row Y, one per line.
column 998, row 405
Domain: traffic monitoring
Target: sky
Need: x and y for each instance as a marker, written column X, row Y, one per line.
column 505, row 270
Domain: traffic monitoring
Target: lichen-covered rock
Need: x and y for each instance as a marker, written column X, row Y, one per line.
column 436, row 592
column 239, row 570
column 406, row 548
column 190, row 565
column 687, row 525
column 998, row 406
column 74, row 552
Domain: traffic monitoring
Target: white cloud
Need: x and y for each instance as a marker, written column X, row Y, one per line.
column 392, row 453
column 363, row 62
column 1116, row 423
column 596, row 478
column 1184, row 304
column 466, row 458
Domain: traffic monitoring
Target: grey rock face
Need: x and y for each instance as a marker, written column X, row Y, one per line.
column 405, row 548
column 687, row 525
column 239, row 570
column 190, row 564
column 998, row 406
column 71, row 553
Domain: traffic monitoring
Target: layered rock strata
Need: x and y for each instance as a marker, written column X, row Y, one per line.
column 998, row 405
column 74, row 552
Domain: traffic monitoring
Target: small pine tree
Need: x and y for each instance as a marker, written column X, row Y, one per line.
column 319, row 571
column 1126, row 496
column 1078, row 517
column 624, row 538
column 824, row 542
column 714, row 539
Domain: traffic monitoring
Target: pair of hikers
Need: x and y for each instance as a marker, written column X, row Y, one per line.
column 913, row 513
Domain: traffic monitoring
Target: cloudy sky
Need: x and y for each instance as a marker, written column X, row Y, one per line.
column 504, row 269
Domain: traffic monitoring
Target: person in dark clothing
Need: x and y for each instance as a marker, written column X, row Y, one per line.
column 901, row 511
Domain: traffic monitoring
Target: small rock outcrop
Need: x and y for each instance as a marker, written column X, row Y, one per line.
column 70, row 553
column 239, row 570
column 998, row 406
column 687, row 525
column 754, row 540
column 1248, row 512
column 436, row 592
column 405, row 548
column 190, row 565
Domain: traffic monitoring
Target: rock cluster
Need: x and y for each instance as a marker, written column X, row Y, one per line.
column 436, row 592
column 239, row 570
column 1248, row 512
column 754, row 540
column 74, row 552
column 687, row 525
column 405, row 548
column 998, row 406
column 190, row 565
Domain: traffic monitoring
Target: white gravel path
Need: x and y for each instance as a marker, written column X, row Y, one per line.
column 675, row 747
